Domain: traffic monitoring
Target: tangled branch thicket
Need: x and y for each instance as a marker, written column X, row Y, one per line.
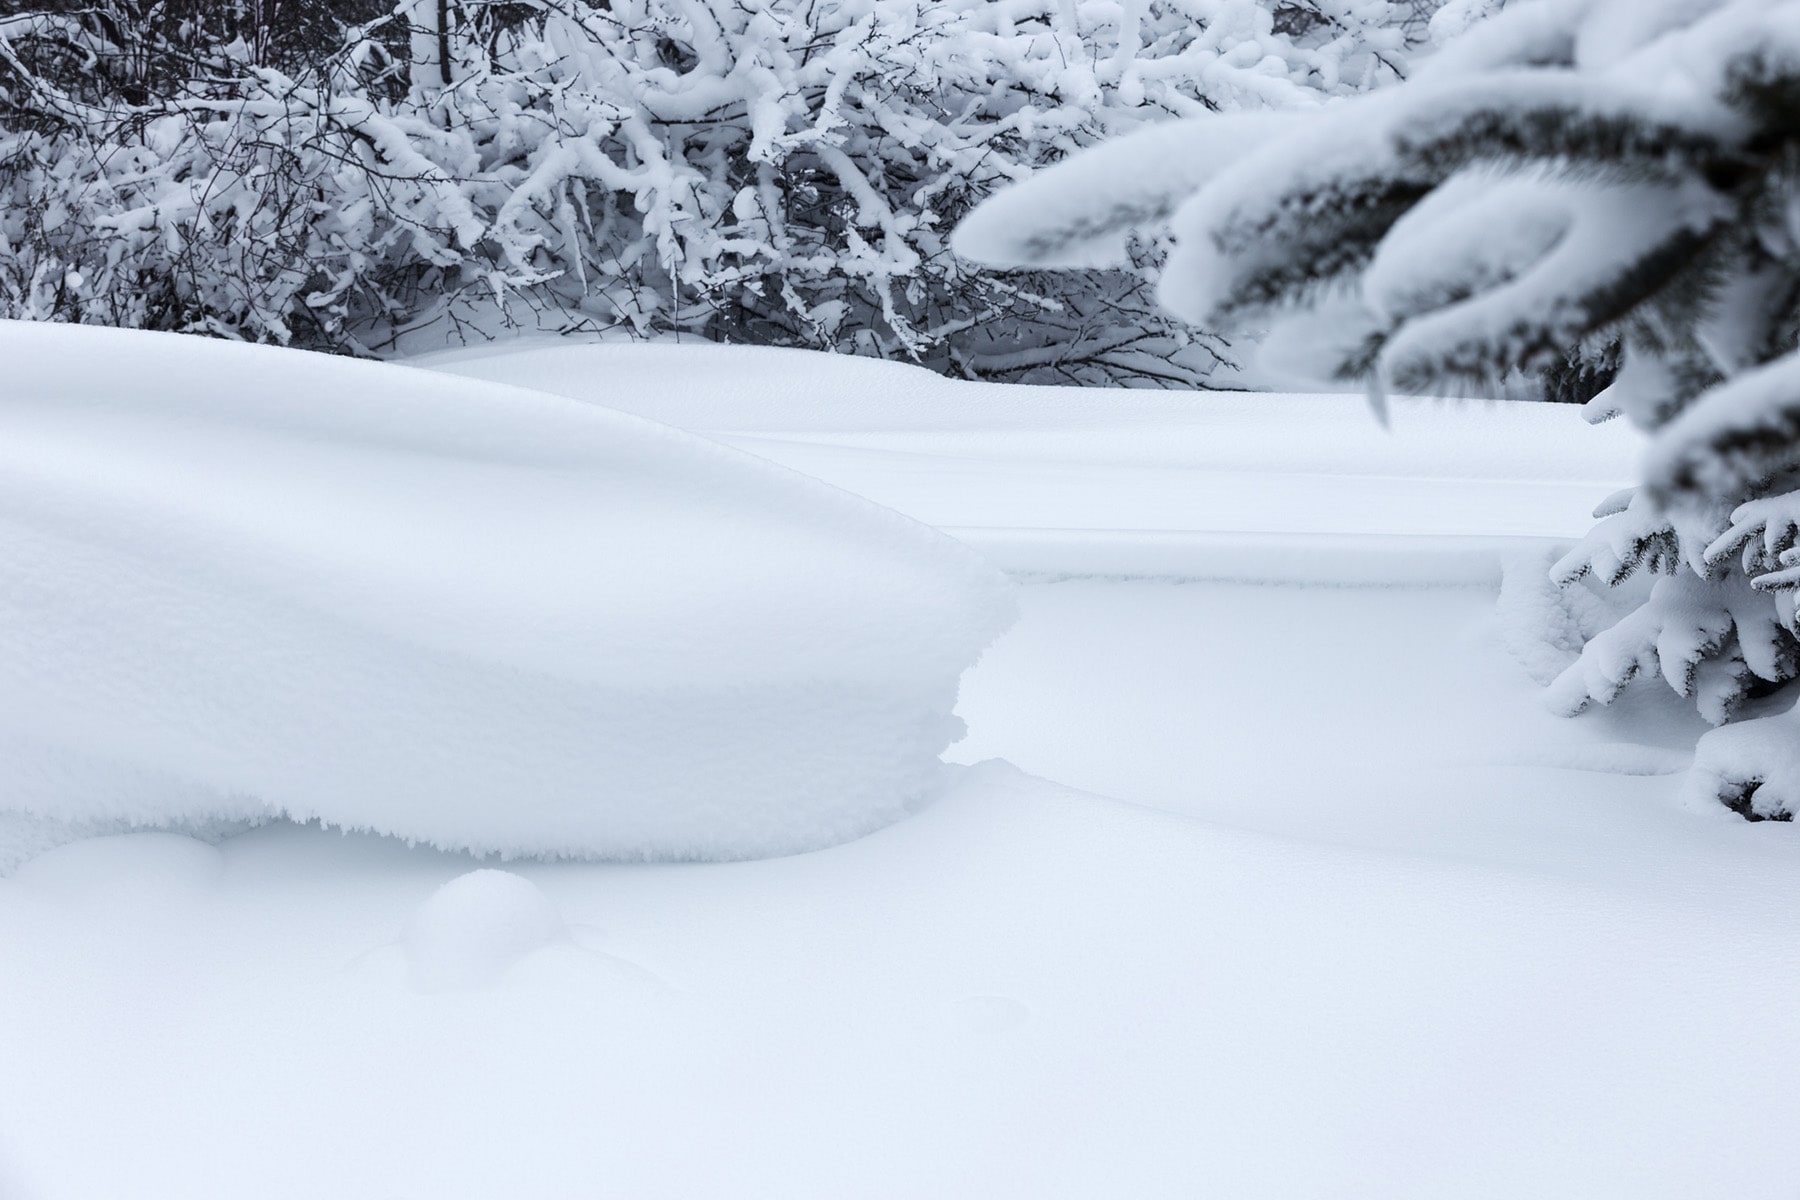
column 773, row 171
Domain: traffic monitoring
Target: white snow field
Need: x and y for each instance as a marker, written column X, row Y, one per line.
column 1081, row 481
column 1280, row 890
column 243, row 581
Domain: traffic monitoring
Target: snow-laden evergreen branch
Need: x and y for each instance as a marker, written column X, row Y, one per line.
column 1611, row 180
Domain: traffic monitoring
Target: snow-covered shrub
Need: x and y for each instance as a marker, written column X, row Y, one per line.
column 1568, row 174
column 772, row 171
column 203, row 168
column 243, row 582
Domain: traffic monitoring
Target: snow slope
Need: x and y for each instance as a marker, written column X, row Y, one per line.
column 246, row 582
column 1363, row 920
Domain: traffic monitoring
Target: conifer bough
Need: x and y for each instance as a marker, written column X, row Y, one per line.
column 1566, row 181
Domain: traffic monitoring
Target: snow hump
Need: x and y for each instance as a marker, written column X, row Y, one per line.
column 240, row 582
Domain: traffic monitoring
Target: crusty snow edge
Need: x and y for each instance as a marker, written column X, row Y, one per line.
column 242, row 581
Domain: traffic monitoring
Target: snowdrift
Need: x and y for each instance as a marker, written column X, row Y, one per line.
column 242, row 582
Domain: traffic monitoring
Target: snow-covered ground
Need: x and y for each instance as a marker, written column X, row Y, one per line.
column 1081, row 481
column 1281, row 889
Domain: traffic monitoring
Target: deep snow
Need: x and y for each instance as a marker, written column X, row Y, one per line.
column 246, row 582
column 1434, row 970
column 1364, row 919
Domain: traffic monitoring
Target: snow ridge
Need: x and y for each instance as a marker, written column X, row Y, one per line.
column 248, row 582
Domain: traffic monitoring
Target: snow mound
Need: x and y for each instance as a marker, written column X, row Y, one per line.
column 246, row 582
column 135, row 868
column 469, row 931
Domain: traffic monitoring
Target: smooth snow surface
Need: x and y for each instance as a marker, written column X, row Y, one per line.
column 1359, row 939
column 244, row 582
column 1362, row 920
column 1088, row 481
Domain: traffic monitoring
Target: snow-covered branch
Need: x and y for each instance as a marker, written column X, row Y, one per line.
column 768, row 171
